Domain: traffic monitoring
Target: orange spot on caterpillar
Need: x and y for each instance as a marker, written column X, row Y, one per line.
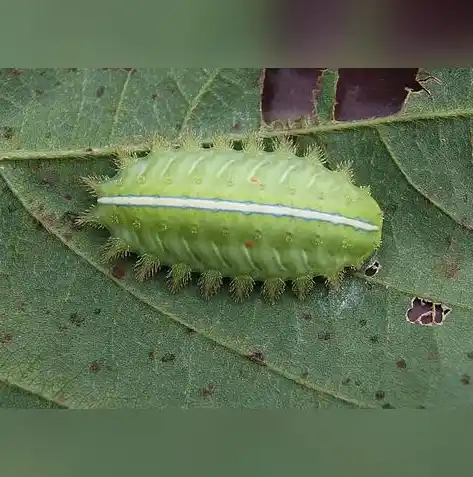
column 255, row 180
column 249, row 244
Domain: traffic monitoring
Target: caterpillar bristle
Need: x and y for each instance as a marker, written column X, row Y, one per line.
column 335, row 280
column 253, row 143
column 93, row 182
column 146, row 267
column 124, row 157
column 221, row 143
column 161, row 144
column 315, row 154
column 190, row 141
column 345, row 168
column 115, row 248
column 89, row 218
column 210, row 283
column 273, row 289
column 241, row 288
column 284, row 144
column 178, row 277
column 303, row 286
column 366, row 188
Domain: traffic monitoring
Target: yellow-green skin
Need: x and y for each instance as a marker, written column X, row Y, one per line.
column 235, row 243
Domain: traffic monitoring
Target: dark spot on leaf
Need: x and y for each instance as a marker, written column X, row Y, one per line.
column 68, row 197
column 154, row 96
column 168, row 357
column 465, row 379
column 151, row 355
column 401, row 363
column 88, row 149
column 7, row 132
column 421, row 407
column 73, row 70
column 257, row 357
column 374, row 339
column 207, row 391
column 6, row 338
column 95, row 367
column 379, row 395
column 346, row 381
column 97, row 311
column 363, row 322
column 387, row 406
column 38, row 91
column 118, row 271
column 100, row 91
column 76, row 319
column 236, row 127
column 324, row 335
column 48, row 135
column 425, row 312
column 357, row 382
column 470, row 354
column 307, row 315
column 189, row 329
column 15, row 71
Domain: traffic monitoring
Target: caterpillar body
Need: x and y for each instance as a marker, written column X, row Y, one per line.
column 247, row 215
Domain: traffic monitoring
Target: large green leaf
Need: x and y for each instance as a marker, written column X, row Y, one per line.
column 81, row 335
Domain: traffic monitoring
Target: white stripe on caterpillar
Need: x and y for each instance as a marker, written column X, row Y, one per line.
column 217, row 205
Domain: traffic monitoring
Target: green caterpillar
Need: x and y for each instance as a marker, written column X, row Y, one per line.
column 248, row 215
